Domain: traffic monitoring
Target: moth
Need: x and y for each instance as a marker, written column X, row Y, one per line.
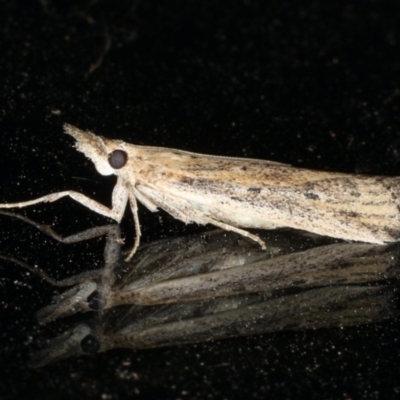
column 236, row 193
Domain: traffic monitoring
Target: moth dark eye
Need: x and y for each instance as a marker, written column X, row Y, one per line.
column 117, row 159
column 90, row 345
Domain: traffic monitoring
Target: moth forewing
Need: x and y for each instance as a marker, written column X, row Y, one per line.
column 249, row 193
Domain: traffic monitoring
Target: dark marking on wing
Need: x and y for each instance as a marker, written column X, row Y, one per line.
column 350, row 214
column 254, row 190
column 186, row 180
column 311, row 196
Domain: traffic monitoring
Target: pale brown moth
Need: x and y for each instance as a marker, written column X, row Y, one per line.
column 236, row 193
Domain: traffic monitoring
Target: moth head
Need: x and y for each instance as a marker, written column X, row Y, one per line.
column 104, row 153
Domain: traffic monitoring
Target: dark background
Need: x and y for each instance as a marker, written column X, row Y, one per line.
column 311, row 83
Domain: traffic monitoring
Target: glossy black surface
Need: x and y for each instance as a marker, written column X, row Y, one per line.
column 313, row 84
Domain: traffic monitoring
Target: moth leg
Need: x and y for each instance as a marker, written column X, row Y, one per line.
column 87, row 234
column 183, row 210
column 35, row 271
column 144, row 200
column 119, row 200
column 80, row 198
column 111, row 250
column 242, row 232
column 138, row 233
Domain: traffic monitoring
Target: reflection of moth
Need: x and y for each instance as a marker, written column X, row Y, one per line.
column 136, row 327
column 213, row 286
column 210, row 266
column 235, row 193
